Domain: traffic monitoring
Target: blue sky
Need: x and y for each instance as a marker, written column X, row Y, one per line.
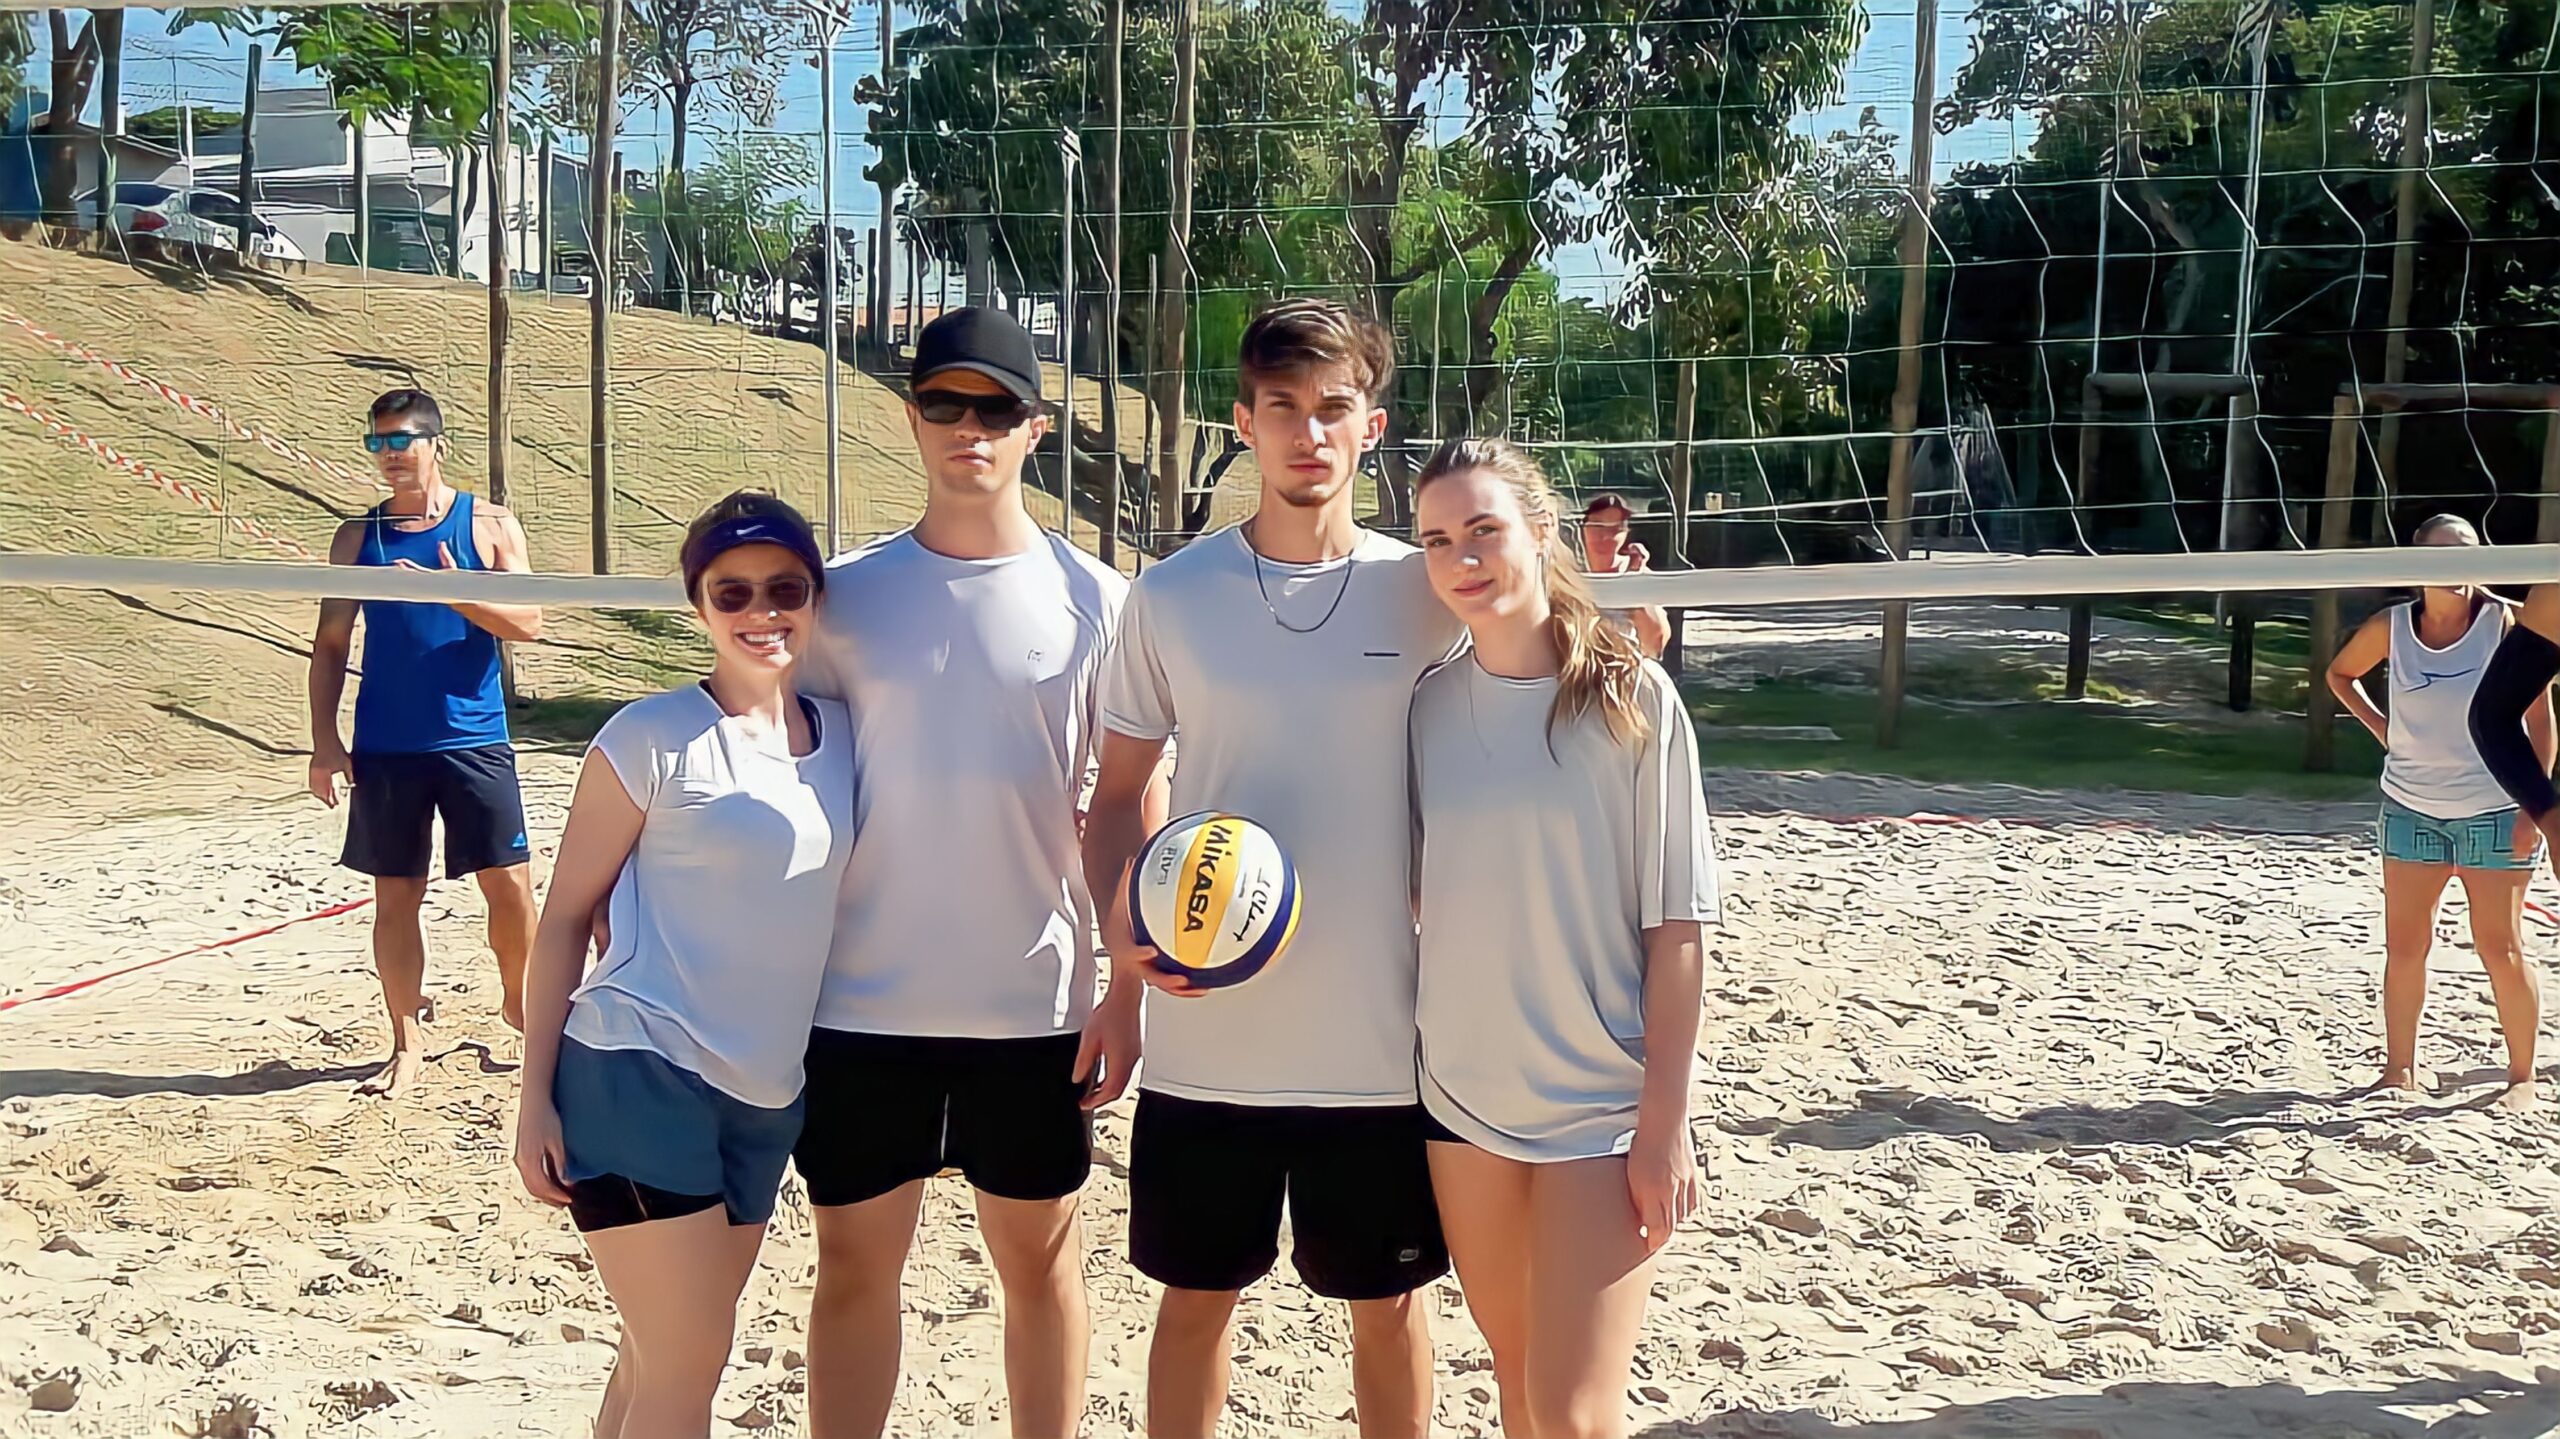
column 208, row 69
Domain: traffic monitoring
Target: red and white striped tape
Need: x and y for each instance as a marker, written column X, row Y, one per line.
column 197, row 405
column 150, row 475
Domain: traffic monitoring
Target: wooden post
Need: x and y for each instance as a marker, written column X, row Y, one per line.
column 1174, row 317
column 2548, row 530
column 1115, row 38
column 2239, row 477
column 249, row 150
column 604, row 170
column 884, row 276
column 1684, row 427
column 542, row 216
column 2414, row 152
column 501, row 38
column 2092, row 411
column 363, row 167
column 1906, row 388
column 2075, row 673
column 110, row 28
column 2319, row 742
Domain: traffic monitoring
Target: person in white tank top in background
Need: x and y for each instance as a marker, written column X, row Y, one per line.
column 1563, row 868
column 2443, row 812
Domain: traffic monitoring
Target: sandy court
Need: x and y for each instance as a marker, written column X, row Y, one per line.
column 2011, row 1129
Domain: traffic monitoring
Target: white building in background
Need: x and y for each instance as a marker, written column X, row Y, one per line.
column 305, row 185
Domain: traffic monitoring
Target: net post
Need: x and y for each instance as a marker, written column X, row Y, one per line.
column 2320, row 711
column 501, row 18
column 1914, row 261
column 2085, row 464
column 2548, row 529
column 2240, row 468
column 1684, row 457
column 2075, row 672
column 604, row 169
column 1116, row 27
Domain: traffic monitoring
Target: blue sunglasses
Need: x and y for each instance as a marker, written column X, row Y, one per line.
column 397, row 442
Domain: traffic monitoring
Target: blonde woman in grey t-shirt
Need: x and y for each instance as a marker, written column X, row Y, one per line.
column 1562, row 872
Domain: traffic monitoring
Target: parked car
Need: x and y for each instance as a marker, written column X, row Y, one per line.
column 188, row 215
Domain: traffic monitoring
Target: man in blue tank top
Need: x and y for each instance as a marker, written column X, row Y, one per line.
column 431, row 722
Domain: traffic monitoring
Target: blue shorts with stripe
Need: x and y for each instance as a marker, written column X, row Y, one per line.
column 2482, row 841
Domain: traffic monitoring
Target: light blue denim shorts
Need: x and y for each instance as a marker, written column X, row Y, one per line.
column 2483, row 841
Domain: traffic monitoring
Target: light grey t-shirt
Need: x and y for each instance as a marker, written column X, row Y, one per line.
column 719, row 918
column 1290, row 685
column 1538, row 875
column 964, row 911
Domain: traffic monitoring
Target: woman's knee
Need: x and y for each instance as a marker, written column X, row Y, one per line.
column 1575, row 1410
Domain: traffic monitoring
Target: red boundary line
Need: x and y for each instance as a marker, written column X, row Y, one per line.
column 77, row 985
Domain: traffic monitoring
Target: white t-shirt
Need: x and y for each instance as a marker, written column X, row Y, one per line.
column 1299, row 728
column 971, row 682
column 2431, row 764
column 721, row 914
column 1538, row 874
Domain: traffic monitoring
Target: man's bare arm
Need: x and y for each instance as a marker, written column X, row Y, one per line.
column 499, row 538
column 326, row 686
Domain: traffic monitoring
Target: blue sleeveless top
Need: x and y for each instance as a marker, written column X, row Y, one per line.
column 430, row 676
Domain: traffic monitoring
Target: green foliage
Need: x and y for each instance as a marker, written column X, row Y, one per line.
column 426, row 62
column 732, row 212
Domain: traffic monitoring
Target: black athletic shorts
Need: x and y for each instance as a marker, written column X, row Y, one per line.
column 1206, row 1182
column 396, row 796
column 888, row 1109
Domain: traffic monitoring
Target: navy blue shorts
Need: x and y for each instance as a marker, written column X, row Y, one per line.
column 397, row 797
column 647, row 1140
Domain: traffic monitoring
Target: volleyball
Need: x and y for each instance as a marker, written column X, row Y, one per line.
column 1216, row 898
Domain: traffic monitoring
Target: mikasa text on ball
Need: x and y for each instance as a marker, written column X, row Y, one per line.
column 1215, row 897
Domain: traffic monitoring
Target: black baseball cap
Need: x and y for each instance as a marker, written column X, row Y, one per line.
column 990, row 342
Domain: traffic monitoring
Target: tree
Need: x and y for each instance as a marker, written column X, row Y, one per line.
column 733, row 218
column 675, row 49
column 429, row 63
column 2155, row 97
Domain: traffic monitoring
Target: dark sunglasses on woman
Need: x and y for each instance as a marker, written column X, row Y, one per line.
column 789, row 594
column 996, row 412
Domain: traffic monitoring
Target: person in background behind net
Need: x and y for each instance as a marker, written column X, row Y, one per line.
column 1606, row 550
column 2443, row 812
column 2517, row 688
column 431, row 722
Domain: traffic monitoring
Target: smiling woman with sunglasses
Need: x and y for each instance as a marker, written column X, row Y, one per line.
column 662, row 1092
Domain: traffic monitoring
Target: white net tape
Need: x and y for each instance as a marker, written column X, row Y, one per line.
column 1941, row 578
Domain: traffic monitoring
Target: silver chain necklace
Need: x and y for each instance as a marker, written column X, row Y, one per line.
column 1265, row 590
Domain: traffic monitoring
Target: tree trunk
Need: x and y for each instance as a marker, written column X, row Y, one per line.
column 75, row 66
column 678, row 205
column 1483, row 371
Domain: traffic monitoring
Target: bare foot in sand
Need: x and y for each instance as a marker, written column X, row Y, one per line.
column 2404, row 1079
column 397, row 1076
column 2521, row 1097
column 511, row 1009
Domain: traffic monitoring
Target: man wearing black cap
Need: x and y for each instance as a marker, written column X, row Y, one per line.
column 957, row 1028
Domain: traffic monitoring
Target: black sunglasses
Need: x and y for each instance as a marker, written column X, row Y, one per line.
column 996, row 412
column 789, row 594
column 398, row 441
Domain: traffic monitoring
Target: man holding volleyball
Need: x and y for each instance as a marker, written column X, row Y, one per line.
column 1285, row 652
column 956, row 1028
